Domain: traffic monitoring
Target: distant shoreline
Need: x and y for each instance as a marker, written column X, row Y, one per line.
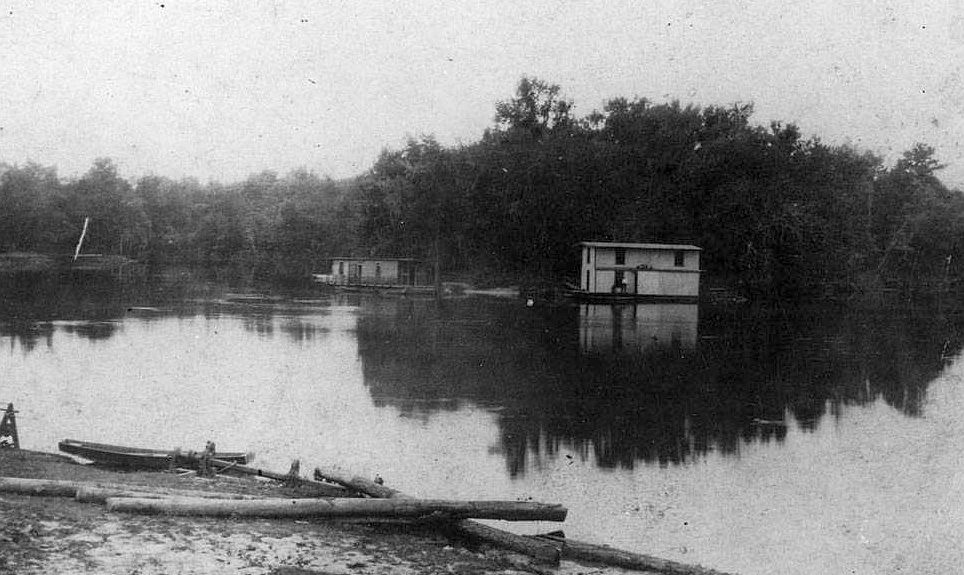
column 12, row 263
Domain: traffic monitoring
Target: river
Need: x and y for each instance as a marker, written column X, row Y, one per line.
column 811, row 441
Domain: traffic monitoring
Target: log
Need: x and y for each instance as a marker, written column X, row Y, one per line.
column 317, row 487
column 94, row 494
column 581, row 551
column 543, row 551
column 341, row 507
column 63, row 488
column 42, row 487
column 357, row 483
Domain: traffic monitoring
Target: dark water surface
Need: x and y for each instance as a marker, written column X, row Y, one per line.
column 805, row 442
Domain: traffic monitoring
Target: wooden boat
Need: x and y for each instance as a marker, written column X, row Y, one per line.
column 140, row 458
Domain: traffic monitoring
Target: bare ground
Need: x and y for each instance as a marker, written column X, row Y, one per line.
column 51, row 535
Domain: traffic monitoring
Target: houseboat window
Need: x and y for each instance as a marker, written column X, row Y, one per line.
column 341, row 268
column 587, row 256
column 378, row 270
column 679, row 259
column 620, row 256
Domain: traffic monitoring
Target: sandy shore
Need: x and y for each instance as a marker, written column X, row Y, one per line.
column 53, row 535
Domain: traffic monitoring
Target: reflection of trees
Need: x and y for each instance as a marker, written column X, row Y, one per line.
column 302, row 331
column 92, row 330
column 665, row 404
column 92, row 305
column 30, row 302
column 28, row 333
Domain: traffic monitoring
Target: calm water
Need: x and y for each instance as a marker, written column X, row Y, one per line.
column 812, row 442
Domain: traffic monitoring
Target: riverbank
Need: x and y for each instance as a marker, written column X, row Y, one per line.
column 14, row 263
column 59, row 535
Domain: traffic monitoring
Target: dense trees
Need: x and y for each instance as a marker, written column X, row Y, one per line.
column 776, row 214
column 273, row 225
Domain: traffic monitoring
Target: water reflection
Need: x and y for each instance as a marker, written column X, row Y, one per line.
column 617, row 385
column 636, row 326
column 94, row 306
column 652, row 384
column 30, row 304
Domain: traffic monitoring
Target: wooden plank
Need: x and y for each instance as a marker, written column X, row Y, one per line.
column 542, row 551
column 343, row 507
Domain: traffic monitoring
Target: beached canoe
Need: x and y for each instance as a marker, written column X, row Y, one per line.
column 140, row 458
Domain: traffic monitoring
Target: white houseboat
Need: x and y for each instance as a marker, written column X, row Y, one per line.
column 614, row 271
column 401, row 274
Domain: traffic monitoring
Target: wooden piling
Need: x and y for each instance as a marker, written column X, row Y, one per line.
column 8, row 426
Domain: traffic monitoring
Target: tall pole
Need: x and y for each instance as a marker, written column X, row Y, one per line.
column 438, row 276
column 80, row 242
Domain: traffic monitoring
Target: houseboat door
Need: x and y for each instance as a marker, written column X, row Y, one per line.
column 354, row 272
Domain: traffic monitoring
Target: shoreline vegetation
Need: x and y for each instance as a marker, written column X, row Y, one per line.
column 779, row 216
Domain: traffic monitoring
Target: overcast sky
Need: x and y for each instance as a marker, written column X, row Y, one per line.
column 220, row 90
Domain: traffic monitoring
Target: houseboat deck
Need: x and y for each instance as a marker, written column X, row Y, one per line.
column 619, row 297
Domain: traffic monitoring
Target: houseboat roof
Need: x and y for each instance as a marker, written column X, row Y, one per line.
column 673, row 247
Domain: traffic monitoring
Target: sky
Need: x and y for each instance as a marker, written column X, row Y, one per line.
column 221, row 90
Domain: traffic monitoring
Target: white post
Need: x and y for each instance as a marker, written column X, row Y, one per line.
column 80, row 242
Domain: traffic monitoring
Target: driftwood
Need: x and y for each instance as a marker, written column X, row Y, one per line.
column 98, row 491
column 317, row 487
column 580, row 551
column 343, row 507
column 543, row 551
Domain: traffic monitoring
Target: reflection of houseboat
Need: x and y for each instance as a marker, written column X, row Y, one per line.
column 405, row 275
column 614, row 271
column 637, row 326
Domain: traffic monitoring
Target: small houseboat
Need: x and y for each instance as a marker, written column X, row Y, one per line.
column 614, row 271
column 405, row 275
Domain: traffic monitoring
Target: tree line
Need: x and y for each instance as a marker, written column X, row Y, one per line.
column 278, row 226
column 775, row 213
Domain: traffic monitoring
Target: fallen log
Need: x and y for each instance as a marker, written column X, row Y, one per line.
column 543, row 551
column 64, row 488
column 317, row 487
column 41, row 487
column 357, row 483
column 343, row 507
column 581, row 551
column 94, row 494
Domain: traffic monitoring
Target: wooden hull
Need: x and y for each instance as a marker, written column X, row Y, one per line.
column 139, row 458
column 605, row 297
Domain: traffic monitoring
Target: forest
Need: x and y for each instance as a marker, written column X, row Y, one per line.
column 777, row 214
